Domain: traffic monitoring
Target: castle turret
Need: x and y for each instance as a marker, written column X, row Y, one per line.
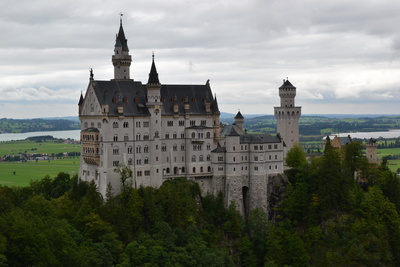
column 121, row 58
column 239, row 120
column 371, row 151
column 288, row 115
column 154, row 106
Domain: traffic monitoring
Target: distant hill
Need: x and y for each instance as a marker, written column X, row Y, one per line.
column 38, row 125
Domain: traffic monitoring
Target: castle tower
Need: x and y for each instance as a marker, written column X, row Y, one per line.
column 239, row 120
column 288, row 115
column 121, row 58
column 371, row 151
column 154, row 106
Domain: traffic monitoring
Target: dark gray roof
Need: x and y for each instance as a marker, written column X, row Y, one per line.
column 229, row 130
column 132, row 95
column 195, row 95
column 219, row 149
column 153, row 75
column 239, row 116
column 287, row 84
column 91, row 130
column 258, row 139
column 121, row 40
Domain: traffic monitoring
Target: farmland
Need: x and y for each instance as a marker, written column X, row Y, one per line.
column 21, row 172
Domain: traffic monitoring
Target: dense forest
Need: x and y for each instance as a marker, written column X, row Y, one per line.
column 36, row 125
column 338, row 211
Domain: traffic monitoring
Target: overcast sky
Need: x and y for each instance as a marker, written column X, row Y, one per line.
column 343, row 56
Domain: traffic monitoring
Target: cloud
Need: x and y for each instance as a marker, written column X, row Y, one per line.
column 335, row 52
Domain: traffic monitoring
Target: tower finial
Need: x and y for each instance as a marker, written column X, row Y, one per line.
column 120, row 19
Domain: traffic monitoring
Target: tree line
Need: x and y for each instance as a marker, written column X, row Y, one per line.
column 339, row 210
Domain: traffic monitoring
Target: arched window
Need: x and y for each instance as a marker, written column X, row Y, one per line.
column 130, row 161
column 130, row 149
column 201, row 158
column 208, row 135
column 208, row 169
column 193, row 135
column 146, row 149
column 194, row 169
column 194, row 158
column 138, row 149
column 201, row 169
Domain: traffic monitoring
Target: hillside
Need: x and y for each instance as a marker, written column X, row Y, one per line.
column 37, row 125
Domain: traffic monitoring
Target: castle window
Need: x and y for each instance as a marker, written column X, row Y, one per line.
column 146, row 173
column 182, row 135
column 203, row 122
column 115, row 138
column 138, row 162
column 193, row 158
column 220, row 158
column 255, row 158
column 275, row 146
column 201, row 169
column 156, row 134
column 146, row 149
column 220, row 168
column 175, row 147
column 130, row 161
column 139, row 173
column 256, row 168
column 115, row 163
column 115, row 124
column 201, row 158
column 182, row 147
column 130, row 149
column 270, row 157
column 167, row 136
column 193, row 135
column 174, row 136
column 192, row 123
column 126, row 124
column 126, row 138
column 98, row 125
column 181, row 123
column 145, row 124
column 146, row 161
column 269, row 147
column 163, row 147
column 261, row 147
column 208, row 135
column 208, row 158
column 208, row 169
column 170, row 123
column 208, row 147
column 194, row 169
column 146, row 137
column 276, row 156
column 138, row 149
column 255, row 147
column 233, row 148
column 138, row 124
column 138, row 137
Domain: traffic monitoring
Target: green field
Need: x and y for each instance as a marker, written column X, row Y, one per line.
column 24, row 146
column 393, row 164
column 31, row 170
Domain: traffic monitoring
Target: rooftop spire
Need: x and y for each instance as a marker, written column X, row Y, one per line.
column 121, row 40
column 153, row 75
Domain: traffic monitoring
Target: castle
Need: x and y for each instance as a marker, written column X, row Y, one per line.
column 164, row 131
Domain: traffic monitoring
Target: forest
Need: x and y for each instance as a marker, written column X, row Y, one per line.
column 338, row 210
column 37, row 125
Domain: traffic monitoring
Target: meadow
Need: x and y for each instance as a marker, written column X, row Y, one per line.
column 32, row 170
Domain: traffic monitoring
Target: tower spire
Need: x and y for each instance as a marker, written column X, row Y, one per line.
column 153, row 75
column 121, row 58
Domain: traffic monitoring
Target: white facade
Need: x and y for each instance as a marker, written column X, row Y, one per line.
column 163, row 132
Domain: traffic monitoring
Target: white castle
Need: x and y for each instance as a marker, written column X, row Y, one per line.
column 165, row 131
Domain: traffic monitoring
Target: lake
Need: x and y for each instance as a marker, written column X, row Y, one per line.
column 72, row 134
column 375, row 135
column 75, row 134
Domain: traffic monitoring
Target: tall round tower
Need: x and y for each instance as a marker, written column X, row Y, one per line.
column 121, row 58
column 288, row 115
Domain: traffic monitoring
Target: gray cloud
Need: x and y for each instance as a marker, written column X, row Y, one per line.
column 342, row 56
